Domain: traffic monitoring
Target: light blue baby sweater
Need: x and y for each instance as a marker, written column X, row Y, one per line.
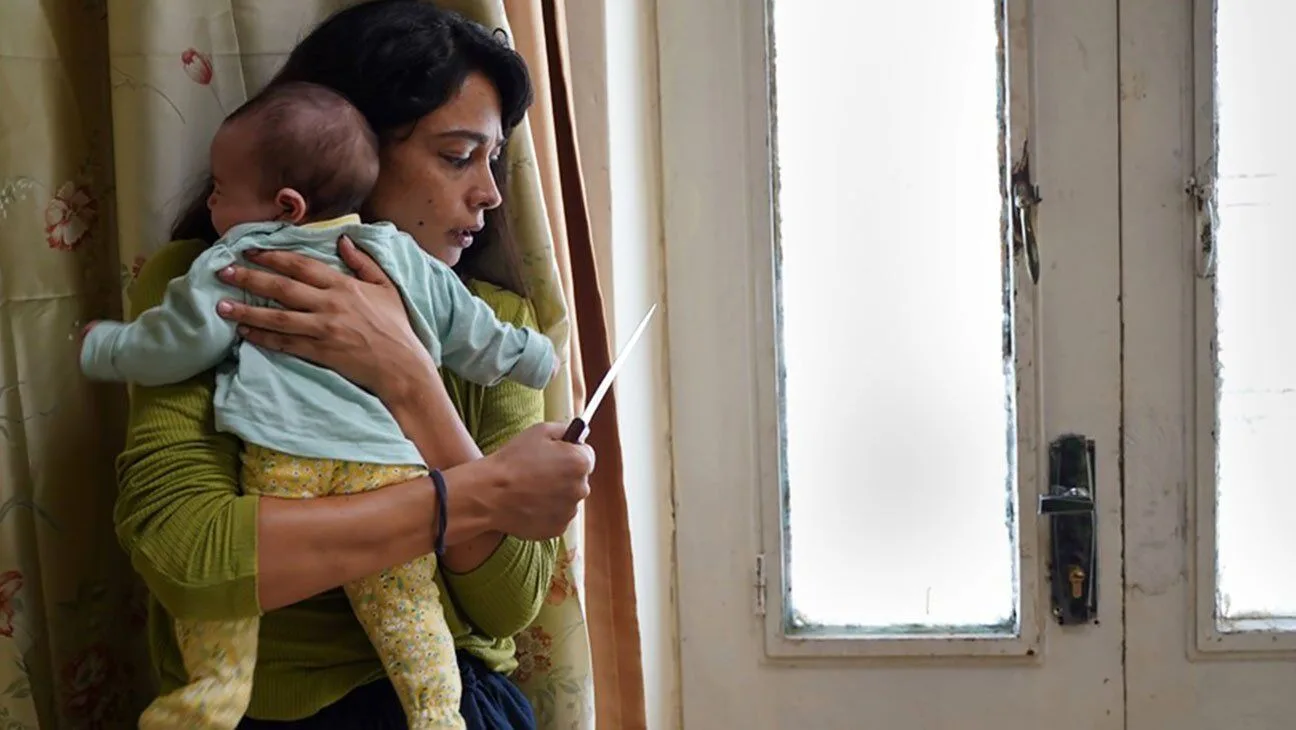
column 282, row 402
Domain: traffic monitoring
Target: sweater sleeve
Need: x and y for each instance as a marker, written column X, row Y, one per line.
column 504, row 594
column 179, row 514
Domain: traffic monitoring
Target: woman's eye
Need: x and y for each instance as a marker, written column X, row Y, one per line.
column 458, row 162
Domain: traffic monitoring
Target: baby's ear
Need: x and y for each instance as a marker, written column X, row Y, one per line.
column 292, row 206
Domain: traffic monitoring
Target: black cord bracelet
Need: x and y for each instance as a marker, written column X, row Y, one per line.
column 438, row 482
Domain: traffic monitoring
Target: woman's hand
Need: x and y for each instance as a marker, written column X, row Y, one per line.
column 354, row 325
column 541, row 483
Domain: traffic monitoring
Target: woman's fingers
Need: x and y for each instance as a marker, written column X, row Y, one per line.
column 271, row 319
column 291, row 294
column 298, row 266
column 355, row 325
column 365, row 268
column 552, row 481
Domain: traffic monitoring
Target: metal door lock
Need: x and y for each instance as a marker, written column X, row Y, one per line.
column 1073, row 524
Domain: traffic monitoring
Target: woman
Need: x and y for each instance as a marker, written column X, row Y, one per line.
column 442, row 93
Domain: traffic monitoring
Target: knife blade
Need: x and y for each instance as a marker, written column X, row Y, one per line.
column 579, row 427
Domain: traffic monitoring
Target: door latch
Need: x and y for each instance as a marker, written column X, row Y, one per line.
column 1073, row 520
column 1025, row 199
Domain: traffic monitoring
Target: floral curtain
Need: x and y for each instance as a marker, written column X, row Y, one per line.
column 106, row 110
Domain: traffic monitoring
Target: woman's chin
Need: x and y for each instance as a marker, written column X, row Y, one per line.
column 445, row 252
column 450, row 255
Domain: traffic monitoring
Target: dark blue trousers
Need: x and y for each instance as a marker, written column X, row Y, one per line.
column 490, row 702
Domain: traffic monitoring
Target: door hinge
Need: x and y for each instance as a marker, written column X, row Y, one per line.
column 759, row 604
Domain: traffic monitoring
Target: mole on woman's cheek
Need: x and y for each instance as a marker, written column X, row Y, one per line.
column 420, row 224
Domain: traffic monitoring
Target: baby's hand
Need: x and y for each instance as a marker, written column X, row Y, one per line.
column 81, row 341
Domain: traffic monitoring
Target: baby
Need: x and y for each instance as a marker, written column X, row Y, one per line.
column 291, row 167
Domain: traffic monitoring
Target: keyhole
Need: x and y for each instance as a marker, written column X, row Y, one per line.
column 1077, row 577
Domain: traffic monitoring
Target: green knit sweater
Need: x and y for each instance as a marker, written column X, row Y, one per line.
column 192, row 535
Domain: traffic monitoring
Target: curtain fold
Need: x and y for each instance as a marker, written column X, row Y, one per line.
column 106, row 111
column 70, row 612
column 612, row 609
column 529, row 40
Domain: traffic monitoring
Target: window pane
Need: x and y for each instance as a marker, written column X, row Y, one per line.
column 898, row 412
column 1255, row 299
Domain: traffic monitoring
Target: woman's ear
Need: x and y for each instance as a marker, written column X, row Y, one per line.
column 292, row 206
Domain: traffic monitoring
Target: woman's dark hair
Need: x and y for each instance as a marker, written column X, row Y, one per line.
column 397, row 61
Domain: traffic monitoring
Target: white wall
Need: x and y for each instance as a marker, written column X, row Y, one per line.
column 615, row 87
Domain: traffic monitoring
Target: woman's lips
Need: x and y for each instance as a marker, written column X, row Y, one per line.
column 462, row 238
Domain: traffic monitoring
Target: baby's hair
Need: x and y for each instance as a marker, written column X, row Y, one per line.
column 311, row 139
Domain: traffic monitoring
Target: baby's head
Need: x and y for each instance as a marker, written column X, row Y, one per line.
column 296, row 153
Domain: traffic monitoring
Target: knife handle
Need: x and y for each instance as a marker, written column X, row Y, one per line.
column 576, row 431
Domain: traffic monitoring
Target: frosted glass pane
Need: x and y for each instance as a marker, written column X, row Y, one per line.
column 1256, row 301
column 898, row 415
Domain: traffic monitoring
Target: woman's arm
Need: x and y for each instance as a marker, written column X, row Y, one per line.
column 310, row 546
column 306, row 547
column 428, row 418
column 498, row 582
column 208, row 553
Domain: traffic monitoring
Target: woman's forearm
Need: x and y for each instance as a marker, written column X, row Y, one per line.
column 428, row 418
column 308, row 546
column 426, row 415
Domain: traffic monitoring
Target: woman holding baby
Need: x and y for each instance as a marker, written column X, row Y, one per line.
column 442, row 94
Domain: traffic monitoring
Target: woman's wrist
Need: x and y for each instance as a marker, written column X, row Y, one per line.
column 408, row 385
column 470, row 510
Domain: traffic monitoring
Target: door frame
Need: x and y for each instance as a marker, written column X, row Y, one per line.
column 1180, row 670
column 714, row 108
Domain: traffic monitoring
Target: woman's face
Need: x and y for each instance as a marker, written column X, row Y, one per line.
column 436, row 183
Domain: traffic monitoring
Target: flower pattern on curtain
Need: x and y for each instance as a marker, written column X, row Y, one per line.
column 106, row 111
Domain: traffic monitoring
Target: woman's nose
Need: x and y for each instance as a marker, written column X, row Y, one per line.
column 486, row 194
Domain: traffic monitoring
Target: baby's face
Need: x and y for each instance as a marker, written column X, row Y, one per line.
column 236, row 197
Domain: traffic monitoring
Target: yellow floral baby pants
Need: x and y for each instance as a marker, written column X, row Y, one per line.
column 399, row 608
